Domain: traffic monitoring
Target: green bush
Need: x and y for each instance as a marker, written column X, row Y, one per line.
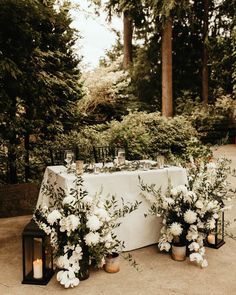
column 215, row 123
column 144, row 135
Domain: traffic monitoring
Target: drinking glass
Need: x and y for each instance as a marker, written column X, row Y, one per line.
column 121, row 156
column 69, row 157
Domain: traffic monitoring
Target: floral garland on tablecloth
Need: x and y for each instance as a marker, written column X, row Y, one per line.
column 189, row 212
column 80, row 227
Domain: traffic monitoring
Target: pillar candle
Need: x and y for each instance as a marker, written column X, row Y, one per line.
column 38, row 269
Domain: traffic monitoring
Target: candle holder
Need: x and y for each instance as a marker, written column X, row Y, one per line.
column 215, row 239
column 37, row 256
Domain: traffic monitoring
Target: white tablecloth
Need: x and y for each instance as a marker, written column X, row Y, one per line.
column 136, row 230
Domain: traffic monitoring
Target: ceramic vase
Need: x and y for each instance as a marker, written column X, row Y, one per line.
column 112, row 263
column 178, row 253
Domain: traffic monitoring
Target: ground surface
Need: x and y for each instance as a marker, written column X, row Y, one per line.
column 160, row 275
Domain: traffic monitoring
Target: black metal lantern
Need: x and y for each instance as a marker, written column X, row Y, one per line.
column 215, row 239
column 37, row 255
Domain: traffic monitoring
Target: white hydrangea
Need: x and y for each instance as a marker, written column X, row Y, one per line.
column 176, row 229
column 93, row 223
column 53, row 216
column 67, row 278
column 69, row 223
column 102, row 214
column 164, row 246
column 190, row 216
column 194, row 246
column 92, row 238
column 196, row 257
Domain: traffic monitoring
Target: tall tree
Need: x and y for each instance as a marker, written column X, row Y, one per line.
column 205, row 72
column 167, row 88
column 37, row 58
column 127, row 38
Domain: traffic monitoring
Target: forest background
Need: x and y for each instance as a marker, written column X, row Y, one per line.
column 166, row 87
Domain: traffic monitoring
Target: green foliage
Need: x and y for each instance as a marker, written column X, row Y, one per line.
column 38, row 75
column 214, row 122
column 143, row 135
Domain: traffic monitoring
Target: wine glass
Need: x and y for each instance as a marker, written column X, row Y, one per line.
column 69, row 158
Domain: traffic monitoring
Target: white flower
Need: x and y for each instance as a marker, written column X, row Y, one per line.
column 102, row 214
column 62, row 261
column 204, row 263
column 78, row 249
column 190, row 216
column 67, row 278
column 69, row 223
column 176, row 229
column 92, row 238
column 211, row 224
column 164, row 246
column 87, row 200
column 199, row 204
column 93, row 223
column 196, row 257
column 194, row 246
column 215, row 215
column 174, row 192
column 53, row 216
column 192, row 233
column 69, row 200
column 182, row 189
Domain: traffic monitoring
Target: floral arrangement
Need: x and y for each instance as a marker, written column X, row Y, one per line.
column 80, row 227
column 189, row 212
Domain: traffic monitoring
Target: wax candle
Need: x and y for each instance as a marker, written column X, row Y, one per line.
column 38, row 269
column 211, row 239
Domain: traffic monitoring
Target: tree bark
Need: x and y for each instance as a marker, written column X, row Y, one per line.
column 205, row 71
column 167, row 92
column 128, row 35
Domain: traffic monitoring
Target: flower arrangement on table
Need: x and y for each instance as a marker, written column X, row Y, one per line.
column 81, row 229
column 189, row 212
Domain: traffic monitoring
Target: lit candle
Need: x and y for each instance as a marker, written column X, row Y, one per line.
column 38, row 269
column 211, row 239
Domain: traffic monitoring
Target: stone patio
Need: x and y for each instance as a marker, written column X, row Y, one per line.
column 159, row 274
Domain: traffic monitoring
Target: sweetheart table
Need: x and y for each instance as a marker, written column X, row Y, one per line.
column 135, row 230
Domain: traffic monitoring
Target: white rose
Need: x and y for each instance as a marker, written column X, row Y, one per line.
column 53, row 216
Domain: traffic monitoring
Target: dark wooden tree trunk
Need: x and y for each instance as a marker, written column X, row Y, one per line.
column 128, row 34
column 205, row 71
column 167, row 92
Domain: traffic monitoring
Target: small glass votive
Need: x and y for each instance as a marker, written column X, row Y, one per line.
column 121, row 156
column 79, row 167
column 160, row 161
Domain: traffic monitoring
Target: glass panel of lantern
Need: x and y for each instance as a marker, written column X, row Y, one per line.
column 215, row 238
column 37, row 255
